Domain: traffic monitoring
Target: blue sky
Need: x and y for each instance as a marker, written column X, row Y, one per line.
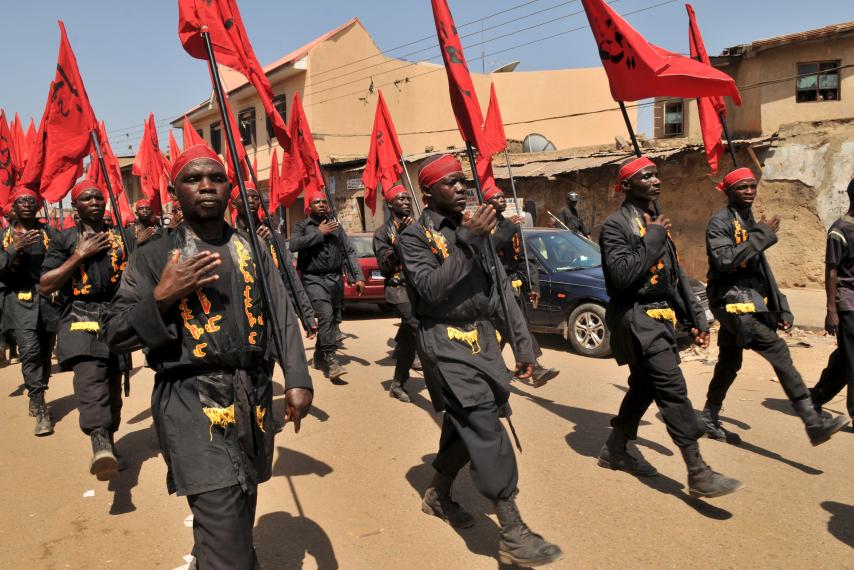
column 132, row 62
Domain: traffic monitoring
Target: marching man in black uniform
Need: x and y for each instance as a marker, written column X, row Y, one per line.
column 508, row 243
column 194, row 301
column 32, row 318
column 456, row 303
column 839, row 322
column 146, row 228
column 322, row 246
column 385, row 248
column 298, row 295
column 86, row 263
column 744, row 297
column 649, row 296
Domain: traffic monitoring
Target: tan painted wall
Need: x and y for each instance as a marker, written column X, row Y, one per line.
column 341, row 112
column 765, row 109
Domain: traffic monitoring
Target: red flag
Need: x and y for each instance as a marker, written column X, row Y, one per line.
column 712, row 110
column 639, row 70
column 7, row 171
column 149, row 166
column 191, row 135
column 31, row 136
column 56, row 162
column 274, row 180
column 174, row 151
column 483, row 164
column 493, row 129
column 20, row 148
column 231, row 47
column 383, row 166
column 463, row 96
column 312, row 180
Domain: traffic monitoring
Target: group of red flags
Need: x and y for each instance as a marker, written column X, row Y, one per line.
column 49, row 160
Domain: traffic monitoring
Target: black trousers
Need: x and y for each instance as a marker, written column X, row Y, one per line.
column 404, row 348
column 222, row 529
column 840, row 366
column 476, row 435
column 98, row 389
column 763, row 339
column 35, row 349
column 658, row 378
column 326, row 293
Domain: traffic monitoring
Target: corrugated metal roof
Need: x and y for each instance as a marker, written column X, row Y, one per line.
column 777, row 41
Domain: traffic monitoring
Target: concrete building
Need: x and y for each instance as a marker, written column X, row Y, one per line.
column 807, row 76
column 338, row 76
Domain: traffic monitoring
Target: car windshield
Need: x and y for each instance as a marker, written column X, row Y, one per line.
column 363, row 245
column 566, row 251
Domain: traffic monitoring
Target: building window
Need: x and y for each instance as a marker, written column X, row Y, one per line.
column 673, row 119
column 818, row 81
column 216, row 138
column 246, row 124
column 280, row 102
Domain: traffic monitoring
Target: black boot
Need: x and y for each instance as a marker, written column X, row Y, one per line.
column 614, row 455
column 519, row 544
column 438, row 502
column 43, row 423
column 334, row 370
column 702, row 480
column 104, row 465
column 542, row 375
column 711, row 422
column 819, row 428
column 396, row 390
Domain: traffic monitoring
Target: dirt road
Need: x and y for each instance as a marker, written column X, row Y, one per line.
column 346, row 490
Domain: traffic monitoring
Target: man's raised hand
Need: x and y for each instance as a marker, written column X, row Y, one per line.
column 180, row 278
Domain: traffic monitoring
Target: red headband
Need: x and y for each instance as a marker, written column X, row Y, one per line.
column 86, row 185
column 235, row 192
column 491, row 192
column 21, row 191
column 631, row 169
column 143, row 202
column 195, row 152
column 734, row 177
column 438, row 169
column 394, row 192
column 311, row 196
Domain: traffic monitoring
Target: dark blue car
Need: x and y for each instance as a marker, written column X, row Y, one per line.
column 572, row 290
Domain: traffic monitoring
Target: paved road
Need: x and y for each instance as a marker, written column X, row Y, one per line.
column 346, row 491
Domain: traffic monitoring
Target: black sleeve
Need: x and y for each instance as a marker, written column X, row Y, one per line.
column 624, row 262
column 133, row 319
column 725, row 254
column 433, row 281
column 837, row 245
column 304, row 236
column 59, row 251
column 386, row 255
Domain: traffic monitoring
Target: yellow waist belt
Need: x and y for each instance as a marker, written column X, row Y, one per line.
column 664, row 315
column 26, row 296
column 87, row 326
column 740, row 308
column 517, row 283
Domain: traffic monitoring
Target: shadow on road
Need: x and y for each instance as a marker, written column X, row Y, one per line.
column 283, row 541
column 19, row 391
column 140, row 417
column 841, row 523
column 292, row 463
column 480, row 539
column 136, row 447
column 61, row 407
column 591, row 431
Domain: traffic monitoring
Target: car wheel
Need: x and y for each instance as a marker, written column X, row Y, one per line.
column 587, row 332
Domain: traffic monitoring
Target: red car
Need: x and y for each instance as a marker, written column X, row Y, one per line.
column 374, row 282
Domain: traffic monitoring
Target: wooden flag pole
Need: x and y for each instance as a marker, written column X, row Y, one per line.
column 492, row 257
column 109, row 185
column 415, row 201
column 521, row 230
column 276, row 248
column 269, row 311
